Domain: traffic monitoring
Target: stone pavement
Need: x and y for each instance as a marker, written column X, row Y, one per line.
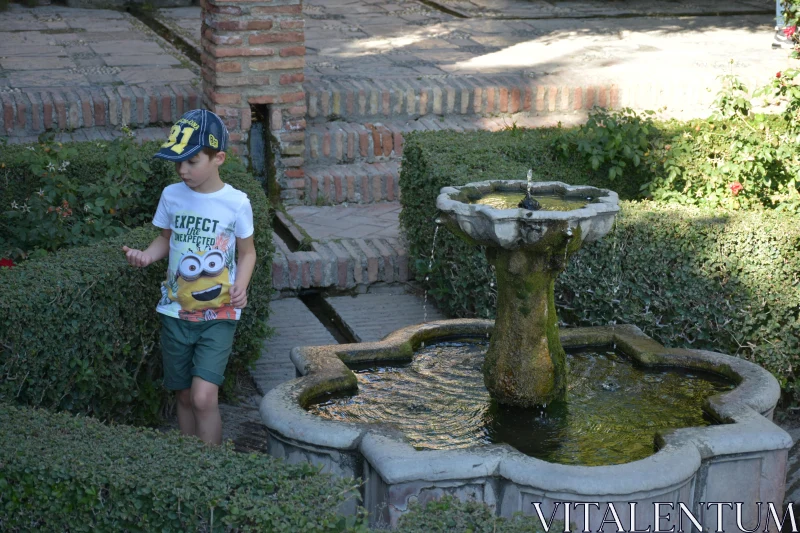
column 65, row 68
column 377, row 69
column 354, row 246
column 368, row 317
column 349, row 222
column 293, row 325
column 403, row 58
column 542, row 9
column 653, row 56
column 371, row 317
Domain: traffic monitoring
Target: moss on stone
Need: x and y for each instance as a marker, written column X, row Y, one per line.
column 328, row 384
column 526, row 364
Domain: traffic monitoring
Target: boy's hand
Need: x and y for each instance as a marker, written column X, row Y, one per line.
column 137, row 258
column 238, row 296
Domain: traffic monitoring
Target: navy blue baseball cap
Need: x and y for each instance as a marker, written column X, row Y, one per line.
column 195, row 130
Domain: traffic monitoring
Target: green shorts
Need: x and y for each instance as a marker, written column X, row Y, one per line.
column 195, row 349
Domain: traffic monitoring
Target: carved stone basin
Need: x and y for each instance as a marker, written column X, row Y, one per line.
column 514, row 228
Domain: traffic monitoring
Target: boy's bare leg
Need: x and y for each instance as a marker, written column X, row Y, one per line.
column 206, row 411
column 186, row 420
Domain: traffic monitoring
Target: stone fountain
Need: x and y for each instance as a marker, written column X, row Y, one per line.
column 740, row 459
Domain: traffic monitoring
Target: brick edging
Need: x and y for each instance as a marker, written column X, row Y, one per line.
column 359, row 184
column 341, row 264
column 25, row 112
column 480, row 95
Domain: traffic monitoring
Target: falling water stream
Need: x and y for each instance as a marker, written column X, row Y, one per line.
column 428, row 276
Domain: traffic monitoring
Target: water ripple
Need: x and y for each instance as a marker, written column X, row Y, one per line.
column 611, row 413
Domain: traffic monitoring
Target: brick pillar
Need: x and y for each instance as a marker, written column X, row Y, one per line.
column 253, row 52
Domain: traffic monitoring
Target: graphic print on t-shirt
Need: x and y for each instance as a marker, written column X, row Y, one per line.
column 202, row 253
column 204, row 229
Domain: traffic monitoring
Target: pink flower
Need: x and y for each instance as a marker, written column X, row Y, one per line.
column 736, row 188
column 789, row 31
column 6, row 263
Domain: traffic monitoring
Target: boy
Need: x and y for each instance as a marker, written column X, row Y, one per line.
column 203, row 223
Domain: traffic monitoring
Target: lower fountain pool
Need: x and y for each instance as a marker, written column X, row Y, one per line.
column 612, row 411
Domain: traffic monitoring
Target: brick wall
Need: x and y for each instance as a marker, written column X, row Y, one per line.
column 253, row 53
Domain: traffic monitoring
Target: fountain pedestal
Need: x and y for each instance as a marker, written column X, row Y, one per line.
column 526, row 365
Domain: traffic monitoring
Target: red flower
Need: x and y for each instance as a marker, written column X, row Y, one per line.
column 778, row 75
column 736, row 188
column 789, row 31
column 6, row 263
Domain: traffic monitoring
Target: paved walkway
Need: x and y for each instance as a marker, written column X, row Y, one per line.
column 293, row 325
column 349, row 221
column 552, row 41
column 66, row 68
column 80, row 68
column 645, row 48
column 371, row 317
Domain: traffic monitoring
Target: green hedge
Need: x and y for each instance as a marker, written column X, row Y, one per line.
column 17, row 182
column 65, row 473
column 726, row 281
column 448, row 514
column 79, row 331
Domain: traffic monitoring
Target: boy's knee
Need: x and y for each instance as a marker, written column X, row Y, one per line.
column 204, row 398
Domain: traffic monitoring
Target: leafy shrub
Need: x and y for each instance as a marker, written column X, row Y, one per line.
column 450, row 514
column 689, row 277
column 69, row 209
column 619, row 142
column 64, row 473
column 735, row 159
column 78, row 327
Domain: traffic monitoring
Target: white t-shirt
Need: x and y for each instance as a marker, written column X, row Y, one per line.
column 202, row 250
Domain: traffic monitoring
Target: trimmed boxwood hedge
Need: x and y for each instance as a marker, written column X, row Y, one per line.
column 689, row 277
column 64, row 473
column 450, row 514
column 78, row 328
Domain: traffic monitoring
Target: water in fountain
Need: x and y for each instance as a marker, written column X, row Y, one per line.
column 610, row 414
column 546, row 202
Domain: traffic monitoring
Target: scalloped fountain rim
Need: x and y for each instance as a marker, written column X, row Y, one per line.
column 605, row 202
column 747, row 411
column 513, row 228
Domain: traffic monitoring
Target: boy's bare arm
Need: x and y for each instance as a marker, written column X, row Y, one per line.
column 246, row 262
column 158, row 249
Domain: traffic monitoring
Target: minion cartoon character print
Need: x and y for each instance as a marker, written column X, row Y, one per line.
column 202, row 278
